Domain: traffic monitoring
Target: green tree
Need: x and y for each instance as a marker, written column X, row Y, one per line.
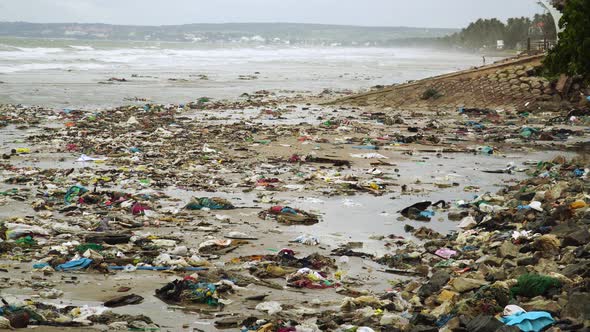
column 517, row 31
column 572, row 54
column 482, row 33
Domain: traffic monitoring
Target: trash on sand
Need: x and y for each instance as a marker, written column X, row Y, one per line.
column 369, row 156
column 213, row 203
column 85, row 158
column 123, row 301
column 271, row 307
column 289, row 216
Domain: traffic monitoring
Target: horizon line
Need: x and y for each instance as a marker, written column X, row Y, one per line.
column 228, row 23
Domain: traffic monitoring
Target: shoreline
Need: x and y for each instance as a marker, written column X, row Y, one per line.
column 355, row 168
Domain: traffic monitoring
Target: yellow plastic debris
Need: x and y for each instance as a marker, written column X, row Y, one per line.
column 23, row 150
column 579, row 204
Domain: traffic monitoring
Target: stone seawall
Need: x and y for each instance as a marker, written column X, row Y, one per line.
column 513, row 84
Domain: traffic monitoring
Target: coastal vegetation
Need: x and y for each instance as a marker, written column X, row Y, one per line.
column 571, row 55
column 226, row 34
column 484, row 33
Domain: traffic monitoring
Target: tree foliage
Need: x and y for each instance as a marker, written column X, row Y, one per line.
column 484, row 33
column 572, row 54
column 517, row 31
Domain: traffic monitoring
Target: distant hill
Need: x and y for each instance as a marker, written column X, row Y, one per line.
column 257, row 33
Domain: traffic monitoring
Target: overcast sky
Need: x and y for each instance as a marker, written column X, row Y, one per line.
column 416, row 13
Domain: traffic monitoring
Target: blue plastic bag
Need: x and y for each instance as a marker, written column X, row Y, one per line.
column 427, row 214
column 533, row 321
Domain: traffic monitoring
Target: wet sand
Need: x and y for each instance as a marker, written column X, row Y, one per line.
column 346, row 216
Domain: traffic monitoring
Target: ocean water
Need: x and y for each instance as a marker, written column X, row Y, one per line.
column 75, row 74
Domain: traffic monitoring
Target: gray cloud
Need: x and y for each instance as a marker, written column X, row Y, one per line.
column 419, row 13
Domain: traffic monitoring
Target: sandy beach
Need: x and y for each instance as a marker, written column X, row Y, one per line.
column 155, row 187
column 353, row 169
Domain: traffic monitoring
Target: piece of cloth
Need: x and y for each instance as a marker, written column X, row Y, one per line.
column 139, row 208
column 213, row 203
column 289, row 216
column 445, row 253
column 73, row 265
column 74, row 191
column 189, row 290
column 533, row 321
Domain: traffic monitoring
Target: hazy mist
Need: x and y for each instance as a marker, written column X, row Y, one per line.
column 416, row 13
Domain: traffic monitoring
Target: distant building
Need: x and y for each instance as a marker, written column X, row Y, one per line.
column 75, row 33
